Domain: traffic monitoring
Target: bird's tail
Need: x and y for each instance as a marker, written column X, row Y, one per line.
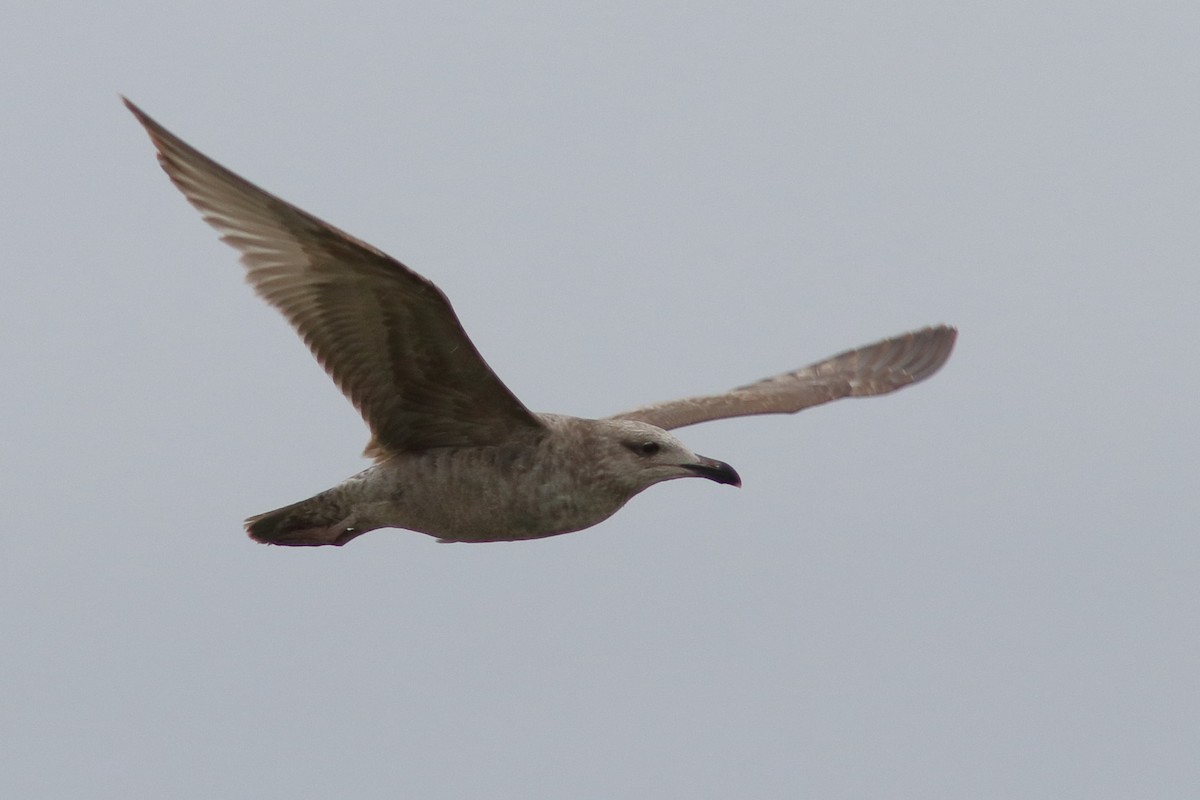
column 316, row 521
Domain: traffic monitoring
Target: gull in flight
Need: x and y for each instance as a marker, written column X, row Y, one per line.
column 456, row 454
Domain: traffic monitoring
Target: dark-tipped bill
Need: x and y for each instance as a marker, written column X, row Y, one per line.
column 715, row 470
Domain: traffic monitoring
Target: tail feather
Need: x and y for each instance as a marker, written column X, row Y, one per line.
column 313, row 522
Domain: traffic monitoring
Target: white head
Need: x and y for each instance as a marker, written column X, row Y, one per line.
column 639, row 455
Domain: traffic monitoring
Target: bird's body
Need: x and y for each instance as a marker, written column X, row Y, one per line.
column 568, row 477
column 457, row 455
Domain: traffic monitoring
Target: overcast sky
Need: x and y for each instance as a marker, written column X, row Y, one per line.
column 984, row 586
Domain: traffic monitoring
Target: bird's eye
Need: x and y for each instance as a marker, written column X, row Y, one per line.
column 649, row 448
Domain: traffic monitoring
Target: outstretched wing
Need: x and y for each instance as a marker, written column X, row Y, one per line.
column 875, row 369
column 386, row 335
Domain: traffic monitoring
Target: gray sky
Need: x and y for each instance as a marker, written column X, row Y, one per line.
column 984, row 586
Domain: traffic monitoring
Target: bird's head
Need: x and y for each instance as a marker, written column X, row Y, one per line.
column 643, row 455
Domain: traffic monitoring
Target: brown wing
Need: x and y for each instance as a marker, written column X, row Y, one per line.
column 875, row 369
column 387, row 336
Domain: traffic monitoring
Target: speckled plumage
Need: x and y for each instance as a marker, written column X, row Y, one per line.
column 457, row 455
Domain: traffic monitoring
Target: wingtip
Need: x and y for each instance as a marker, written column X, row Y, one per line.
column 948, row 332
column 948, row 336
column 939, row 341
column 137, row 112
column 155, row 130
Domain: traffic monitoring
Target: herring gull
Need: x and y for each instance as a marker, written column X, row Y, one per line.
column 456, row 454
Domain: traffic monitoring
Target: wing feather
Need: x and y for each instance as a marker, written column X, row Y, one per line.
column 387, row 336
column 875, row 369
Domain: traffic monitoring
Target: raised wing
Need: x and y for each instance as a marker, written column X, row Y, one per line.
column 875, row 369
column 386, row 335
